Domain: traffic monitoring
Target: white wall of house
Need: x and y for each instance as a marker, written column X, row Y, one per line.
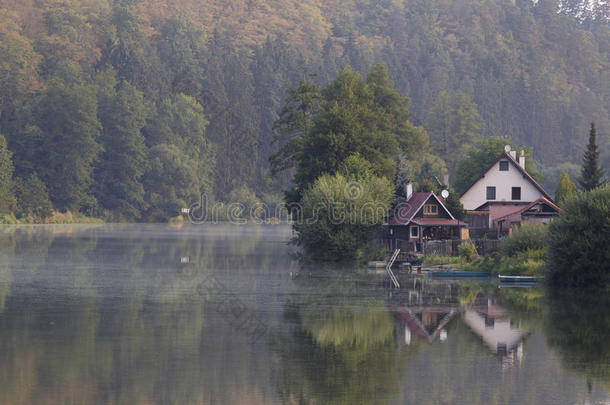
column 503, row 181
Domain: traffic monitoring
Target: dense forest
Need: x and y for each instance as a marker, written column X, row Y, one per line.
column 130, row 109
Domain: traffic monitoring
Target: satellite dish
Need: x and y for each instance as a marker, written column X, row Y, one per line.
column 445, row 193
column 507, row 148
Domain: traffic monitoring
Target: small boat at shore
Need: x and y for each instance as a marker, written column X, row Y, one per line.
column 518, row 279
column 459, row 274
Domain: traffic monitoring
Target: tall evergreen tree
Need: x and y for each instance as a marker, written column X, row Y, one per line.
column 268, row 70
column 181, row 48
column 233, row 119
column 123, row 114
column 453, row 124
column 130, row 53
column 67, row 115
column 7, row 196
column 294, row 123
column 591, row 175
column 18, row 68
column 32, row 197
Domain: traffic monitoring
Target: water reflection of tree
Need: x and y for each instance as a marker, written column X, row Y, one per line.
column 342, row 347
column 578, row 327
column 116, row 318
column 70, row 343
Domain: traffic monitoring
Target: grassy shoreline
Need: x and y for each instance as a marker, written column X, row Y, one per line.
column 531, row 263
column 521, row 254
column 54, row 219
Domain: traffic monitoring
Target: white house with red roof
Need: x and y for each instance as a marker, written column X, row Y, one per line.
column 423, row 216
column 504, row 189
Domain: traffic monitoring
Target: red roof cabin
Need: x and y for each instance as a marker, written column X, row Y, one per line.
column 421, row 218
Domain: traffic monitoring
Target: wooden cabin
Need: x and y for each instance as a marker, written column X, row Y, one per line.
column 421, row 218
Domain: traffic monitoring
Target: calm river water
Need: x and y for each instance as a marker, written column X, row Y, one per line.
column 159, row 314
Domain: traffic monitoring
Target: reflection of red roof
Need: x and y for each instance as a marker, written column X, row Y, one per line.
column 412, row 322
column 408, row 210
column 530, row 205
column 437, row 221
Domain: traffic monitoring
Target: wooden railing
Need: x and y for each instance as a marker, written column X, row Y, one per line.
column 388, row 268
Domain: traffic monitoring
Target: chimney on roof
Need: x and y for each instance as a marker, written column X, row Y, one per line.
column 409, row 190
column 446, row 180
column 513, row 154
column 522, row 159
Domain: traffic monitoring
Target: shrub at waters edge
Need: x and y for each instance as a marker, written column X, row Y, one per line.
column 526, row 237
column 522, row 254
column 340, row 213
column 579, row 241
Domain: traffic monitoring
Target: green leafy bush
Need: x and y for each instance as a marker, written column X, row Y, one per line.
column 527, row 237
column 467, row 250
column 340, row 214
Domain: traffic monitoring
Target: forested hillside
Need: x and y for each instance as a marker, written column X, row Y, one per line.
column 134, row 107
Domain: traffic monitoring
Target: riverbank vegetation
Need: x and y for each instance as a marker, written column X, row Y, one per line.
column 523, row 253
column 579, row 240
column 341, row 213
column 571, row 251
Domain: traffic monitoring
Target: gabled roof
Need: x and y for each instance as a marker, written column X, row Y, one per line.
column 506, row 155
column 530, row 205
column 408, row 209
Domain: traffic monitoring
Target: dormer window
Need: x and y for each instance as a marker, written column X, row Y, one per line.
column 503, row 165
column 430, row 209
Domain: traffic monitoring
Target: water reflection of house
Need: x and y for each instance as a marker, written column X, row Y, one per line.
column 424, row 309
column 500, row 334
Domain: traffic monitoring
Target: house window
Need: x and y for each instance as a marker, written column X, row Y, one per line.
column 503, row 165
column 491, row 193
column 430, row 209
column 516, row 193
column 414, row 232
